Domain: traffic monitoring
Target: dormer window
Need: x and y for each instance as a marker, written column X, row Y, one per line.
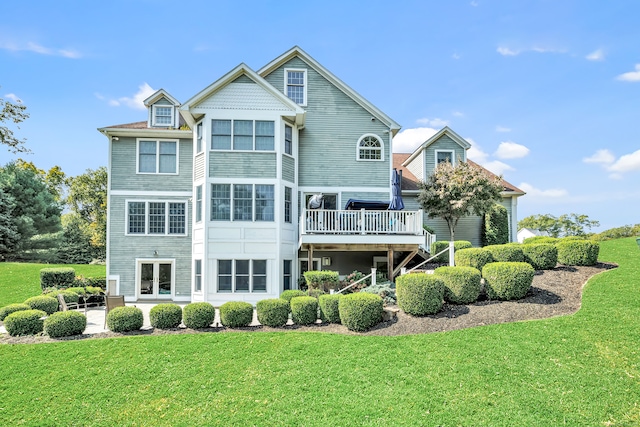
column 295, row 83
column 370, row 147
column 162, row 115
column 444, row 156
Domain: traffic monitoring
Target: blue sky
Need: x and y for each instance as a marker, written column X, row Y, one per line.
column 548, row 92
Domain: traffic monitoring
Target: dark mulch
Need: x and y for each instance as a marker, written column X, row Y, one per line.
column 554, row 292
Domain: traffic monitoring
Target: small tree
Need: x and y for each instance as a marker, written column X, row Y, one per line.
column 452, row 192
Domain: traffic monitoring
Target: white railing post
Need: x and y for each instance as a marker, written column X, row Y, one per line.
column 403, row 271
column 373, row 276
column 451, row 256
column 362, row 220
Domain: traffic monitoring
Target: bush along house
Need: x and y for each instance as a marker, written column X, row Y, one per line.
column 262, row 175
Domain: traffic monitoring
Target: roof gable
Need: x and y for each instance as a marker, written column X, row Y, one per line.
column 158, row 95
column 444, row 131
column 296, row 51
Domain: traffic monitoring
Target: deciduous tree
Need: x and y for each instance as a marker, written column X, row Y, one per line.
column 562, row 226
column 88, row 198
column 13, row 113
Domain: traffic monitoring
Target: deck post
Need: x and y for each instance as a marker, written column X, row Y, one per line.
column 310, row 258
column 451, row 252
column 390, row 264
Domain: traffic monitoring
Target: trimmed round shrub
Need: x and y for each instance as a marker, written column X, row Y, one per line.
column 312, row 292
column 124, row 319
column 541, row 256
column 165, row 316
column 78, row 290
column 65, row 324
column 505, row 253
column 507, row 280
column 578, row 252
column 473, row 257
column 386, row 291
column 236, row 314
column 304, row 310
column 12, row 308
column 273, row 312
column 198, row 315
column 43, row 302
column 461, row 284
column 540, row 239
column 440, row 245
column 420, row 294
column 69, row 297
column 329, row 308
column 26, row 322
column 360, row 311
column 291, row 293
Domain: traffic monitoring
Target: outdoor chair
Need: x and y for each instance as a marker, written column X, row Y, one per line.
column 111, row 302
column 66, row 306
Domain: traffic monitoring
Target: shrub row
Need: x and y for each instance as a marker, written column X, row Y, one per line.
column 57, row 277
column 323, row 279
column 441, row 245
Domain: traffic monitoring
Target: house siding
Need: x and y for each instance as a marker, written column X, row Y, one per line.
column 328, row 143
column 288, row 168
column 199, row 167
column 416, row 167
column 443, row 143
column 227, row 164
column 242, row 96
column 123, row 168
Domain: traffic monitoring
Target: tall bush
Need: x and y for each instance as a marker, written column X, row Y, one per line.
column 420, row 294
column 495, row 226
column 507, row 280
column 61, row 277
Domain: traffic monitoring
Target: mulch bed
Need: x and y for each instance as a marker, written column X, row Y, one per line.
column 554, row 292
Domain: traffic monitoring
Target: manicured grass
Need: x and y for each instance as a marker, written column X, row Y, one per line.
column 579, row 370
column 19, row 281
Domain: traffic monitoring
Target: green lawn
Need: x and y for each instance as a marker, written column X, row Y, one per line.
column 19, row 281
column 579, row 370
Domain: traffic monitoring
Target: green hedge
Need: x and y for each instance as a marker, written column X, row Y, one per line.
column 325, row 279
column 461, row 284
column 473, row 257
column 236, row 314
column 43, row 302
column 311, row 292
column 57, row 277
column 304, row 310
column 578, row 252
column 541, row 256
column 96, row 282
column 125, row 319
column 273, row 312
column 65, row 324
column 198, row 315
column 27, row 322
column 496, row 226
column 69, row 296
column 505, row 253
column 442, row 244
column 420, row 294
column 507, row 280
column 291, row 293
column 12, row 308
column 360, row 311
column 540, row 239
column 165, row 316
column 329, row 308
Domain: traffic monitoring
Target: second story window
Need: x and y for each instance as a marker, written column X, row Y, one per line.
column 444, row 156
column 288, row 140
column 370, row 148
column 157, row 157
column 296, row 85
column 162, row 115
column 242, row 135
column 156, row 218
column 199, row 138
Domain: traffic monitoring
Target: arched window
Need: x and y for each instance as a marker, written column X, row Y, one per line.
column 370, row 147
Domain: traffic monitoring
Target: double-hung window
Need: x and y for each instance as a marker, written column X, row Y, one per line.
column 242, row 275
column 248, row 202
column 243, row 135
column 198, row 212
column 162, row 115
column 157, row 157
column 197, row 272
column 156, row 218
column 288, row 140
column 199, row 138
column 287, row 204
column 296, row 85
column 286, row 274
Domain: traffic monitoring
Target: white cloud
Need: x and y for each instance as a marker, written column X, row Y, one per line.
column 596, row 55
column 39, row 49
column 505, row 51
column 136, row 101
column 627, row 163
column 410, row 139
column 533, row 192
column 474, row 3
column 458, row 114
column 13, row 97
column 434, row 123
column 476, row 154
column 631, row 76
column 455, row 56
column 605, row 157
column 511, row 150
column 502, row 129
column 497, row 167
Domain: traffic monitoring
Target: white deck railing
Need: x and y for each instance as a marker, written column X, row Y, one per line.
column 319, row 221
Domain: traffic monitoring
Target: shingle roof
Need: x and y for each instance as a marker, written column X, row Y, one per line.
column 136, row 125
column 410, row 182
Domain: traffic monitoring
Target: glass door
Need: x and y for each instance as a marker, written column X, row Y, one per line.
column 155, row 279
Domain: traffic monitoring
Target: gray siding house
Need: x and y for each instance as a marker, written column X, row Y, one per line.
column 209, row 200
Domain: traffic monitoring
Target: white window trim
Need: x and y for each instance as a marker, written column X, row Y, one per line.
column 233, row 276
column 305, row 81
column 140, row 261
column 157, row 141
column 146, row 222
column 195, row 204
column 201, row 291
column 199, row 138
column 358, row 148
column 153, row 115
column 253, row 203
column 253, row 146
column 284, row 143
column 453, row 157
